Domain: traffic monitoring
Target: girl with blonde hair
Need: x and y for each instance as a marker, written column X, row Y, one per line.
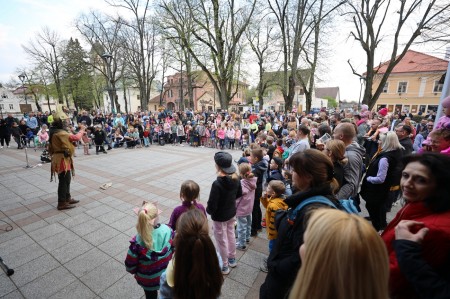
column 150, row 250
column 346, row 254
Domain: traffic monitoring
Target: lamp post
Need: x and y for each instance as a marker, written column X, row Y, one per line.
column 108, row 59
column 22, row 78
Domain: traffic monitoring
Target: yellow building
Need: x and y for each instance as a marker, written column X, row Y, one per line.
column 415, row 84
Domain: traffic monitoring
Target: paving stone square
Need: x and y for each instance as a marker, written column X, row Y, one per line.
column 66, row 254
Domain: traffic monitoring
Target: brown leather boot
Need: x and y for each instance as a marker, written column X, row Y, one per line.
column 72, row 201
column 64, row 206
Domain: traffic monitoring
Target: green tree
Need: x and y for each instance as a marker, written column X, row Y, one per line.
column 76, row 75
column 332, row 103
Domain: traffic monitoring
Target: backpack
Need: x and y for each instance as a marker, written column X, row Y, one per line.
column 346, row 205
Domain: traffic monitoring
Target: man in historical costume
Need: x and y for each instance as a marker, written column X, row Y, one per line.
column 62, row 150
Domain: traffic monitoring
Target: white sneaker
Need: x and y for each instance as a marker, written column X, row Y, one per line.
column 8, row 146
column 1, row 146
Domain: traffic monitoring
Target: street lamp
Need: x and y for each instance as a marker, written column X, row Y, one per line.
column 22, row 78
column 108, row 59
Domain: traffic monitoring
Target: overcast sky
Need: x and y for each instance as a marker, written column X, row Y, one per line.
column 21, row 19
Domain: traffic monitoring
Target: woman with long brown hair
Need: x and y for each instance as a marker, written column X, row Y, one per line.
column 312, row 175
column 194, row 271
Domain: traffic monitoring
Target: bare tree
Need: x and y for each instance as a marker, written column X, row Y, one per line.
column 139, row 43
column 291, row 19
column 415, row 19
column 320, row 15
column 217, row 31
column 103, row 34
column 44, row 51
column 261, row 39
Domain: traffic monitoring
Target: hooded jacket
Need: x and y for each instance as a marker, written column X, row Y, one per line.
column 244, row 204
column 352, row 171
column 222, row 198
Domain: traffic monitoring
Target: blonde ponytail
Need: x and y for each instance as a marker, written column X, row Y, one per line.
column 144, row 227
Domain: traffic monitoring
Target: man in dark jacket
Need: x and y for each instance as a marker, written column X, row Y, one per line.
column 403, row 133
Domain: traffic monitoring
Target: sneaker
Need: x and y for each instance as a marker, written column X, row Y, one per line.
column 232, row 263
column 247, row 241
column 225, row 270
column 241, row 248
column 263, row 267
column 1, row 146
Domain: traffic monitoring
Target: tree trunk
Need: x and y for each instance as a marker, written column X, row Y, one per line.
column 125, row 98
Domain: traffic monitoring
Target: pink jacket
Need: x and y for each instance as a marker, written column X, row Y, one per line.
column 221, row 134
column 244, row 204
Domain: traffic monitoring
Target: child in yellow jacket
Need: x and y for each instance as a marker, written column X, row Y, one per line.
column 273, row 201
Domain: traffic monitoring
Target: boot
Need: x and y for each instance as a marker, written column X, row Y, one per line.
column 64, row 206
column 72, row 201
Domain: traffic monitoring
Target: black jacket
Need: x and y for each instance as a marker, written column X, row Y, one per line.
column 427, row 283
column 284, row 259
column 379, row 192
column 222, row 198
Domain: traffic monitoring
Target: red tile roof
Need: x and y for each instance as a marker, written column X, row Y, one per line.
column 414, row 62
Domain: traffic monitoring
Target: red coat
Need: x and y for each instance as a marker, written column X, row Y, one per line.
column 435, row 246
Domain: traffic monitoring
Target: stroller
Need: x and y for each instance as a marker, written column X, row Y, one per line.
column 161, row 138
column 45, row 156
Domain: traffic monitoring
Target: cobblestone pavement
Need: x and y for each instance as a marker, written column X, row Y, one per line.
column 79, row 253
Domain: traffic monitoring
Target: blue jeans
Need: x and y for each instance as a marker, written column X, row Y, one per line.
column 272, row 244
column 146, row 141
column 244, row 227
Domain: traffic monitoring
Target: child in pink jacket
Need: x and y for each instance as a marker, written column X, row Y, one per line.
column 244, row 206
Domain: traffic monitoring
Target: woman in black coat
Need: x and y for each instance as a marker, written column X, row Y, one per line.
column 5, row 133
column 312, row 176
column 382, row 173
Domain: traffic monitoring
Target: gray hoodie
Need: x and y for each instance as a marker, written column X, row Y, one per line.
column 352, row 171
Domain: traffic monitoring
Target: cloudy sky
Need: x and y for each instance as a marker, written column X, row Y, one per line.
column 21, row 19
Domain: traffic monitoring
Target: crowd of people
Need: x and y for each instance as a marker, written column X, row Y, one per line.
column 299, row 169
column 299, row 177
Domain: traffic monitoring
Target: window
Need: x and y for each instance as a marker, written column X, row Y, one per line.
column 2, row 107
column 170, row 93
column 386, row 87
column 138, row 96
column 402, row 87
column 4, row 96
column 437, row 87
column 11, row 106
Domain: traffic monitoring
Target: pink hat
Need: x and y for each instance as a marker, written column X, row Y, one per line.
column 446, row 102
column 383, row 111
